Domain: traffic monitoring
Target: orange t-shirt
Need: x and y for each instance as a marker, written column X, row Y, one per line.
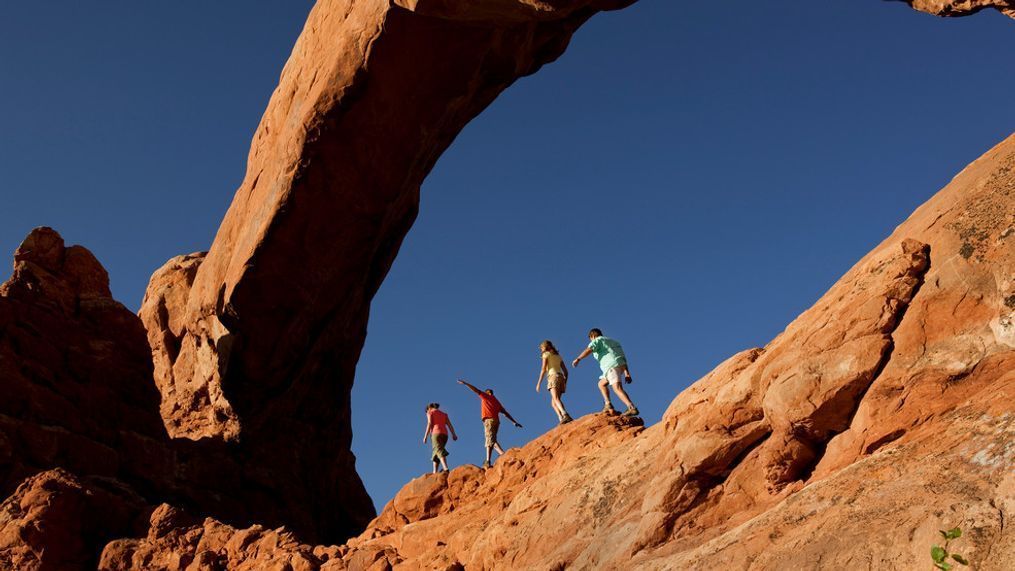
column 438, row 420
column 490, row 407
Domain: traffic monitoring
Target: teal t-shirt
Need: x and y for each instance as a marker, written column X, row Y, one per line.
column 608, row 352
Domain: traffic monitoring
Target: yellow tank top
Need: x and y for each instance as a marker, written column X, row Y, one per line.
column 553, row 363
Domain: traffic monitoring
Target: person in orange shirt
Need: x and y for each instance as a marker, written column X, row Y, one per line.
column 437, row 425
column 490, row 409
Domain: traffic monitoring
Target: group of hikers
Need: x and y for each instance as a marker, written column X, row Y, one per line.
column 615, row 372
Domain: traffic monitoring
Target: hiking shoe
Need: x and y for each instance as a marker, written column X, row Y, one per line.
column 608, row 409
column 567, row 418
column 631, row 411
column 486, row 465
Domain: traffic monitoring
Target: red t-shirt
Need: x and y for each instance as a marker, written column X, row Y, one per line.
column 490, row 407
column 438, row 420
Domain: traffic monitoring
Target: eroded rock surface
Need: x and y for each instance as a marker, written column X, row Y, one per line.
column 880, row 415
column 75, row 373
column 256, row 343
column 962, row 7
column 877, row 417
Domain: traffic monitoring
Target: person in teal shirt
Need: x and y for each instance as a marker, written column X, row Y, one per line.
column 613, row 364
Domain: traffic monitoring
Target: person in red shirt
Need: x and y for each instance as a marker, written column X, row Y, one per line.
column 437, row 425
column 490, row 409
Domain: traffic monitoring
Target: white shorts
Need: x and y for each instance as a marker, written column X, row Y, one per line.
column 614, row 376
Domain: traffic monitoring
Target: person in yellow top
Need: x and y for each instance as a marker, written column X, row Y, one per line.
column 556, row 379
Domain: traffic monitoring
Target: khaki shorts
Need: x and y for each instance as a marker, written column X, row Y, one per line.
column 556, row 381
column 439, row 442
column 490, row 426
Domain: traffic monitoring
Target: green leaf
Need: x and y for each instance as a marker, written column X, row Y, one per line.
column 938, row 554
column 944, row 566
column 954, row 533
column 960, row 559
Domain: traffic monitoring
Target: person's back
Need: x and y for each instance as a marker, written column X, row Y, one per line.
column 608, row 352
column 439, row 420
column 490, row 410
column 437, row 425
column 614, row 366
column 554, row 363
column 489, row 406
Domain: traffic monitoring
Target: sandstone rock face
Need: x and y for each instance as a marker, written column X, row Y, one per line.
column 54, row 520
column 75, row 373
column 962, row 7
column 256, row 343
column 880, row 415
column 883, row 413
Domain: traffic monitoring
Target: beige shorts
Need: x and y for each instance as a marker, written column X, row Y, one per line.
column 490, row 426
column 556, row 381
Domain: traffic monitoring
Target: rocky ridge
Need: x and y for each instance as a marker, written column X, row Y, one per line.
column 880, row 415
column 885, row 407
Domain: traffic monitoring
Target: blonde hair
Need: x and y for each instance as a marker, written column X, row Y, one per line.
column 548, row 346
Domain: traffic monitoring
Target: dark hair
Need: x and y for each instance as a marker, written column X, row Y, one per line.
column 432, row 405
column 489, row 391
column 595, row 331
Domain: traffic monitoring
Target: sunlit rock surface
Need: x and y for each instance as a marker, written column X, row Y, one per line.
column 882, row 414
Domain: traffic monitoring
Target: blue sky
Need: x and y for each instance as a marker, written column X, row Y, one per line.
column 688, row 177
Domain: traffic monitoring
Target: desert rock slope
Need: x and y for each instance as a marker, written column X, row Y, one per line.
column 212, row 430
column 882, row 414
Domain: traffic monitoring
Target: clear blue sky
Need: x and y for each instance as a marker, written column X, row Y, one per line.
column 688, row 177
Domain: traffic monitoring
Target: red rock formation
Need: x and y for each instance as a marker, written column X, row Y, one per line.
column 901, row 379
column 962, row 7
column 882, row 414
column 54, row 521
column 878, row 416
column 256, row 343
column 75, row 375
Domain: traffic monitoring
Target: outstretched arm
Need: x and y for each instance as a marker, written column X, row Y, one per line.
column 509, row 417
column 466, row 383
column 584, row 354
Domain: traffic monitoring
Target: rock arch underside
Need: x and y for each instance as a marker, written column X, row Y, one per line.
column 212, row 430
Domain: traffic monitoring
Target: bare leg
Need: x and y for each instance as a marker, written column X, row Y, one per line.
column 553, row 403
column 444, row 463
column 489, row 452
column 558, row 405
column 619, row 389
column 496, row 446
column 603, row 383
column 434, row 466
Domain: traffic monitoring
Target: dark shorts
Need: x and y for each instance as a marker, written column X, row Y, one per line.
column 439, row 443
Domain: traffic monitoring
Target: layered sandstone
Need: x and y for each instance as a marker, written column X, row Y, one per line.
column 880, row 415
column 256, row 342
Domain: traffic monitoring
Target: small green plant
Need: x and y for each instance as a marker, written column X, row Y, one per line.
column 941, row 555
